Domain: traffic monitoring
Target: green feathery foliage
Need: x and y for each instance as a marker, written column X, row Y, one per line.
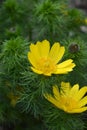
column 55, row 119
column 22, row 102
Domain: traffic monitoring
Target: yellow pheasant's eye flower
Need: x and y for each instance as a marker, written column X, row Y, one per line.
column 85, row 20
column 69, row 99
column 13, row 98
column 45, row 60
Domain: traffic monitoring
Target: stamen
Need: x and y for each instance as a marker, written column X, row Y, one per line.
column 46, row 65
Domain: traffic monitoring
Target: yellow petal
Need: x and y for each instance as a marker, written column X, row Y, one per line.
column 34, row 51
column 79, row 110
column 63, row 70
column 83, row 101
column 32, row 59
column 43, row 48
column 74, row 90
column 56, row 92
column 36, row 71
column 47, row 74
column 40, row 72
column 60, row 71
column 81, row 93
column 61, row 53
column 51, row 99
column 65, row 63
column 65, row 88
column 56, row 52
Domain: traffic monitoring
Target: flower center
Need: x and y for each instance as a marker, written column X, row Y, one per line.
column 46, row 65
column 69, row 103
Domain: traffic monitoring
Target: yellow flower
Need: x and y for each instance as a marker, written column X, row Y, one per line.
column 70, row 99
column 85, row 20
column 13, row 98
column 44, row 60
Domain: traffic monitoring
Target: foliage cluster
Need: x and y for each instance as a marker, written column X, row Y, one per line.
column 22, row 105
